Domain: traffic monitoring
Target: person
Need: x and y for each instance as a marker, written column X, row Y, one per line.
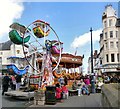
column 65, row 80
column 74, row 85
column 61, row 80
column 13, row 82
column 5, row 83
column 114, row 79
column 99, row 85
column 25, row 80
column 58, row 92
column 64, row 91
column 22, row 80
column 18, row 81
column 87, row 81
column 106, row 79
column 119, row 79
column 82, row 88
column 80, row 85
column 85, row 90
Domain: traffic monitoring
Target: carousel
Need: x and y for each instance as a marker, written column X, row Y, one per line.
column 67, row 67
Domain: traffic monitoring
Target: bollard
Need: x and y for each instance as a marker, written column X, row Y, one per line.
column 39, row 97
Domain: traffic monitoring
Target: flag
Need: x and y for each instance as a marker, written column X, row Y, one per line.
column 76, row 51
column 83, row 56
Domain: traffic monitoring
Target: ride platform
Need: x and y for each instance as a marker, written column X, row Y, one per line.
column 20, row 94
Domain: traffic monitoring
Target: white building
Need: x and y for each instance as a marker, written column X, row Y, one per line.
column 11, row 53
column 118, row 26
column 109, row 55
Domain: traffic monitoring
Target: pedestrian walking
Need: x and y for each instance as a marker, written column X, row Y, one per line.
column 5, row 83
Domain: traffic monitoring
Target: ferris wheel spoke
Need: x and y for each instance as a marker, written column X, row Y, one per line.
column 55, row 43
column 39, row 54
column 40, row 48
column 37, row 48
column 33, row 41
column 36, row 39
column 55, row 60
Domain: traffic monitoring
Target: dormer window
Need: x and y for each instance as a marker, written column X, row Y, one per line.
column 104, row 13
column 104, row 16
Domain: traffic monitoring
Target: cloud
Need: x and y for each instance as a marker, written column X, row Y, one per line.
column 10, row 10
column 86, row 38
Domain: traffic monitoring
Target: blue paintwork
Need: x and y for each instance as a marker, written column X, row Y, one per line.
column 18, row 71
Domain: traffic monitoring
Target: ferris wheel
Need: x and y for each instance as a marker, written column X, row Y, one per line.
column 41, row 46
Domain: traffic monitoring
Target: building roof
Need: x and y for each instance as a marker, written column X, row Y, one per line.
column 5, row 45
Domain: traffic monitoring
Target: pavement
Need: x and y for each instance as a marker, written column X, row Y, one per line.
column 94, row 100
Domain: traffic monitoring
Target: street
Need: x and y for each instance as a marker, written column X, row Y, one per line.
column 12, row 102
column 94, row 100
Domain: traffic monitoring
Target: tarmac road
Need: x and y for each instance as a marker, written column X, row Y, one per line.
column 94, row 100
column 7, row 101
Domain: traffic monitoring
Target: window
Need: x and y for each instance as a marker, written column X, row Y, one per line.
column 18, row 51
column 111, row 45
column 111, row 34
column 1, row 53
column 117, row 44
column 12, row 61
column 118, row 58
column 110, row 22
column 112, row 58
column 105, row 35
column 105, row 24
column 116, row 34
column 107, row 58
column 100, row 61
column 106, row 44
column 0, row 60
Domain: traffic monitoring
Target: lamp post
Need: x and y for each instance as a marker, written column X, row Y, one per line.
column 91, row 52
column 92, row 78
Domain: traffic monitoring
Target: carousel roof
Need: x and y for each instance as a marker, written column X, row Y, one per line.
column 67, row 60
